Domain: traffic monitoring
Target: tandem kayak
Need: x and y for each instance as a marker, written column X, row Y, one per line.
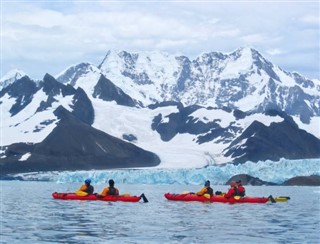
column 93, row 197
column 192, row 197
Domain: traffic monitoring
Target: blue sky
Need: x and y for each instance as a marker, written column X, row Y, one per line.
column 41, row 37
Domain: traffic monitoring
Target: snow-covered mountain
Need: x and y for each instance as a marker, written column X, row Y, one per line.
column 153, row 108
column 242, row 80
column 11, row 77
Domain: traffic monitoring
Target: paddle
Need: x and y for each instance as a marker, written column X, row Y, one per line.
column 144, row 198
column 281, row 199
column 270, row 198
column 288, row 198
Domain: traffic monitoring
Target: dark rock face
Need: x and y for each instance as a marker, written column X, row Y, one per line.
column 23, row 90
column 52, row 87
column 130, row 63
column 313, row 180
column 82, row 107
column 249, row 180
column 165, row 104
column 181, row 122
column 257, row 143
column 74, row 145
column 129, row 137
column 107, row 91
column 72, row 74
column 279, row 140
column 184, row 74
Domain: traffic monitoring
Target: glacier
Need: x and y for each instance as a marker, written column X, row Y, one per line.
column 270, row 171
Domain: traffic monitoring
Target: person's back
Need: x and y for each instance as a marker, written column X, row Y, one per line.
column 110, row 190
column 241, row 190
column 206, row 189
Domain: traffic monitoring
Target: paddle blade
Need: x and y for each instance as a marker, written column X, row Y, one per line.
column 144, row 198
column 270, row 198
column 281, row 199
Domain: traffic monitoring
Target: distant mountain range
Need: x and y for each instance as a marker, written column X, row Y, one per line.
column 154, row 109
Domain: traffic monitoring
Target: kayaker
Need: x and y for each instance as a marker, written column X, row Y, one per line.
column 206, row 189
column 241, row 189
column 110, row 190
column 233, row 191
column 87, row 187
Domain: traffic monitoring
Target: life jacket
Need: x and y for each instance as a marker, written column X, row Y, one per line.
column 236, row 191
column 232, row 192
column 89, row 189
column 112, row 191
column 209, row 191
column 241, row 191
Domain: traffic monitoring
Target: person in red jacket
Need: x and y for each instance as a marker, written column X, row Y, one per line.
column 241, row 189
column 233, row 191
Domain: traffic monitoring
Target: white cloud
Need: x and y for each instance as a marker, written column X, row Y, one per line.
column 311, row 19
column 274, row 51
column 53, row 35
column 253, row 38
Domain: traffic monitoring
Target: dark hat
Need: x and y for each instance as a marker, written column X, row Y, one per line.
column 207, row 183
column 111, row 182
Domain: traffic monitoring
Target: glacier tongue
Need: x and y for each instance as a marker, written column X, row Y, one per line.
column 276, row 172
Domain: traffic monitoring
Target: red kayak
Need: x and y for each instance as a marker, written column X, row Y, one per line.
column 93, row 197
column 192, row 197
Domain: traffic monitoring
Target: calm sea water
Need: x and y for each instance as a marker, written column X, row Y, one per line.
column 29, row 214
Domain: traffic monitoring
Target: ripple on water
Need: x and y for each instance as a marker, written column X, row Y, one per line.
column 30, row 215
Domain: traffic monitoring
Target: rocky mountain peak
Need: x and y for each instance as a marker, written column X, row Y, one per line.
column 72, row 74
column 11, row 76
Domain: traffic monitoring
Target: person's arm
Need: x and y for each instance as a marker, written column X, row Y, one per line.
column 202, row 191
column 229, row 193
column 117, row 192
column 105, row 191
column 242, row 191
column 83, row 188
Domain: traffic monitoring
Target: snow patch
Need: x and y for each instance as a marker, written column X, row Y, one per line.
column 24, row 157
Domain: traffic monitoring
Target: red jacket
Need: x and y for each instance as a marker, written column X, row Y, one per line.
column 241, row 191
column 230, row 193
